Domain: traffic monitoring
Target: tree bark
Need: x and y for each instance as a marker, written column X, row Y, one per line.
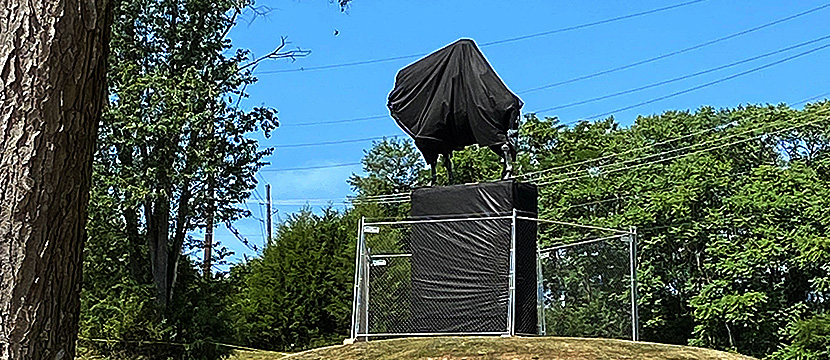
column 52, row 89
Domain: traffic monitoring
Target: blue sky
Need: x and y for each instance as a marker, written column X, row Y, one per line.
column 374, row 29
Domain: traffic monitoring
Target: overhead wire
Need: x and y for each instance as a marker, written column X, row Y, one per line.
column 812, row 98
column 718, row 81
column 406, row 193
column 616, row 94
column 612, row 70
column 375, row 117
column 313, row 167
column 688, row 147
column 601, row 167
column 649, row 191
column 333, row 142
column 348, row 200
column 646, row 147
column 684, row 77
column 677, row 52
column 239, row 236
column 486, row 44
column 612, row 155
column 698, row 87
column 683, row 155
column 628, row 107
column 404, row 196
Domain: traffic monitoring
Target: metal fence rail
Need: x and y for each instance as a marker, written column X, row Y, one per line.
column 584, row 282
column 589, row 287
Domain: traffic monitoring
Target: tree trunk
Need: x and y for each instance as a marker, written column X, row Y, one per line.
column 52, row 89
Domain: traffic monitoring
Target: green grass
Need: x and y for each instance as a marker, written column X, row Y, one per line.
column 481, row 348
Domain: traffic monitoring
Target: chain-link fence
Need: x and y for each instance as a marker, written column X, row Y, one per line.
column 587, row 288
column 506, row 274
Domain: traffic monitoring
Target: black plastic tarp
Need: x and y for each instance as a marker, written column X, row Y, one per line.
column 453, row 98
column 460, row 268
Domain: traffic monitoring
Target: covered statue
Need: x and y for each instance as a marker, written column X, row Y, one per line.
column 453, row 98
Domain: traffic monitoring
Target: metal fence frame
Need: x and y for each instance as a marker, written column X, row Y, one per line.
column 363, row 260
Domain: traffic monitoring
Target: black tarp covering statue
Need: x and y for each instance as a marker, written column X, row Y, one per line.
column 460, row 269
column 453, row 98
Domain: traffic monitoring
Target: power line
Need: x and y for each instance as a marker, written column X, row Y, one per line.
column 257, row 195
column 683, row 155
column 582, row 26
column 650, row 191
column 403, row 197
column 376, row 117
column 608, row 71
column 612, row 155
column 678, row 52
column 629, row 107
column 684, row 77
column 497, row 42
column 239, row 237
column 334, row 142
column 314, row 167
column 812, row 98
column 599, row 168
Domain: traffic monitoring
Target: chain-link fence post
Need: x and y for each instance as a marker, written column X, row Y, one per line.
column 511, row 290
column 367, row 264
column 540, row 292
column 635, row 316
column 358, row 279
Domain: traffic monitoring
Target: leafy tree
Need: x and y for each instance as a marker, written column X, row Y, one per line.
column 733, row 247
column 392, row 166
column 173, row 138
column 298, row 294
column 173, row 155
column 710, row 272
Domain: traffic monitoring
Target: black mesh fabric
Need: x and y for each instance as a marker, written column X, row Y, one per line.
column 526, row 285
column 460, row 269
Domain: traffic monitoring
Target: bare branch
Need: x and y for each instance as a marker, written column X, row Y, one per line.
column 278, row 53
column 232, row 23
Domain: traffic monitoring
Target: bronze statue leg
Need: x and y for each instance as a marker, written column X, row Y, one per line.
column 448, row 166
column 507, row 170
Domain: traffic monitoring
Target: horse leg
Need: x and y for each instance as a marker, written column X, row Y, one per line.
column 433, row 174
column 507, row 155
column 448, row 165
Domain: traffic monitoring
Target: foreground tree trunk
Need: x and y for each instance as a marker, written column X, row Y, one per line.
column 52, row 88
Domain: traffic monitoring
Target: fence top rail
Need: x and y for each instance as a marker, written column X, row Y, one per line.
column 434, row 334
column 382, row 256
column 447, row 216
column 574, row 224
column 589, row 241
column 425, row 221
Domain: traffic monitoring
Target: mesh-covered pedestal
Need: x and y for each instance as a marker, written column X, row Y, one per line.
column 460, row 269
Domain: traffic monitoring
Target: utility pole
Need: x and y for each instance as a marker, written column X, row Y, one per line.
column 268, row 207
column 206, row 260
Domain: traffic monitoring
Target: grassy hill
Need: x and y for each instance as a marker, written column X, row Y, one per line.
column 480, row 348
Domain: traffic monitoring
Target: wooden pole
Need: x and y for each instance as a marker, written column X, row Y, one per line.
column 268, row 217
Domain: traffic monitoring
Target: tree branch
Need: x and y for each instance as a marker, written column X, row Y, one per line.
column 232, row 23
column 279, row 54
